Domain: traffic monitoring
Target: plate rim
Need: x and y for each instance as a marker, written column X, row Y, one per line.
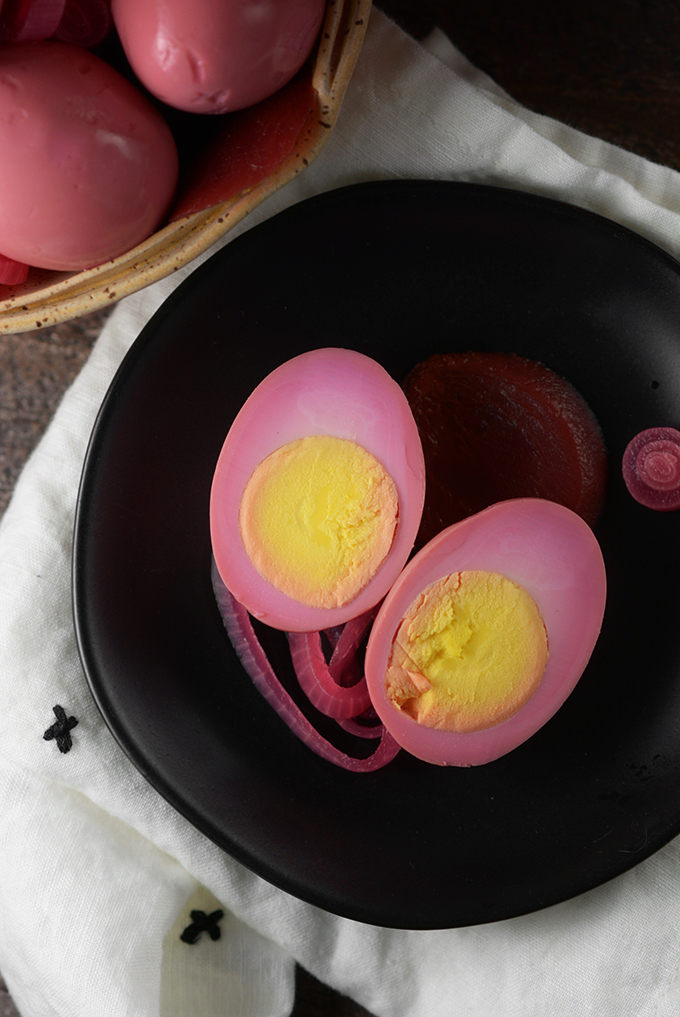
column 127, row 367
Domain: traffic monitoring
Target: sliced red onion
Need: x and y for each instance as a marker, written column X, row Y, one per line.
column 362, row 727
column 348, row 643
column 12, row 272
column 332, row 634
column 317, row 683
column 85, row 22
column 30, row 20
column 247, row 646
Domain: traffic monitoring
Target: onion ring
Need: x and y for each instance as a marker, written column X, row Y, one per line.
column 256, row 664
column 317, row 682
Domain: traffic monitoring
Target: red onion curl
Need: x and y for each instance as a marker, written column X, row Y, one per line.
column 317, row 683
column 347, row 645
column 255, row 662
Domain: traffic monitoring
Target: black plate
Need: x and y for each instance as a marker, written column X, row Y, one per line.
column 398, row 270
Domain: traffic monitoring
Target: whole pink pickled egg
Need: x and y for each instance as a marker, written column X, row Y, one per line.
column 318, row 492
column 215, row 56
column 487, row 631
column 87, row 166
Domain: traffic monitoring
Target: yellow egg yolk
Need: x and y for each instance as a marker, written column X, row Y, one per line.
column 468, row 654
column 318, row 518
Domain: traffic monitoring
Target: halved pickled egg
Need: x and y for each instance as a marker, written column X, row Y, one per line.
column 318, row 492
column 487, row 631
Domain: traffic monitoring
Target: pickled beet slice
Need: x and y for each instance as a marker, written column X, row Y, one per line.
column 496, row 426
column 651, row 468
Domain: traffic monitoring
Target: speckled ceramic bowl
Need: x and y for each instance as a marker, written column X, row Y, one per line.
column 219, row 188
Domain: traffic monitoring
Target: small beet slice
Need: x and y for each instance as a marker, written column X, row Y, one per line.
column 496, row 426
column 651, row 468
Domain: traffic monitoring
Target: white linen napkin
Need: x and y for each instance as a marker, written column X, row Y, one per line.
column 98, row 874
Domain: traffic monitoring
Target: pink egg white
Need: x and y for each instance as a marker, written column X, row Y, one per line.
column 554, row 555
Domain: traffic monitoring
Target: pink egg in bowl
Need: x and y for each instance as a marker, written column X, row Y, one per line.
column 240, row 160
column 88, row 166
column 215, row 56
column 552, row 554
column 329, row 392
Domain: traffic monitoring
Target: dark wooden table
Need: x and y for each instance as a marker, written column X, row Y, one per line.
column 608, row 67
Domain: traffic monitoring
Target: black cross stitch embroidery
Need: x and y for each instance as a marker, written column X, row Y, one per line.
column 200, row 922
column 60, row 729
